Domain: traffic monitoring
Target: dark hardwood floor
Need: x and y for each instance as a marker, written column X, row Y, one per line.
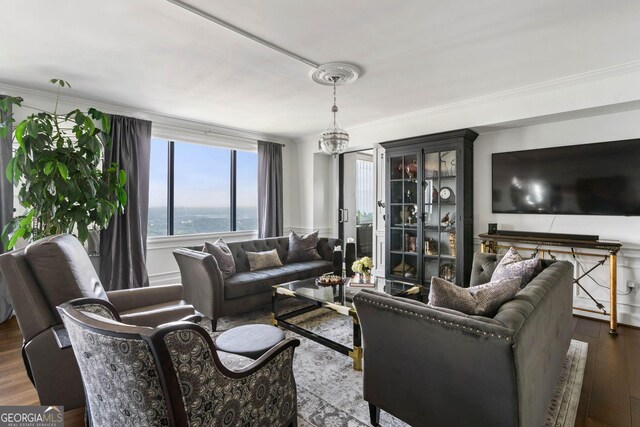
column 610, row 391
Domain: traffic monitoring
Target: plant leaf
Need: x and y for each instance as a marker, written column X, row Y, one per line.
column 64, row 171
column 32, row 128
column 83, row 232
column 48, row 168
column 17, row 234
column 122, row 197
column 19, row 132
column 10, row 172
column 122, row 178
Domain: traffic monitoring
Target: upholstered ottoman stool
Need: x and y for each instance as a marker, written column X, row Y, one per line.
column 249, row 340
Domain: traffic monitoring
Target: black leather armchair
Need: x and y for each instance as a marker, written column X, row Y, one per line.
column 437, row 367
column 53, row 271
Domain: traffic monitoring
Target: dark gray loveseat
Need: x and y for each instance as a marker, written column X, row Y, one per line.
column 436, row 367
column 215, row 297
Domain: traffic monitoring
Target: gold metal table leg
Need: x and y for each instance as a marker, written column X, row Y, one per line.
column 613, row 292
column 483, row 246
column 356, row 355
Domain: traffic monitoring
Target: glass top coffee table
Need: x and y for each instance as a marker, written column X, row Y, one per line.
column 338, row 298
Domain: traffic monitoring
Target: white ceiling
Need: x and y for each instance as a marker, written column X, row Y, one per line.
column 415, row 54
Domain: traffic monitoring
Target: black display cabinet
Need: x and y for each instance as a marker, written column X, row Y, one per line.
column 429, row 207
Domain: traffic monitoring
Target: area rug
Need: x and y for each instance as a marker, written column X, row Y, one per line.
column 330, row 391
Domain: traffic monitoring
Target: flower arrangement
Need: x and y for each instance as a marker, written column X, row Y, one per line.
column 363, row 265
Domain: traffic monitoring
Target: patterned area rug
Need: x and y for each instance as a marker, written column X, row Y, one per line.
column 330, row 391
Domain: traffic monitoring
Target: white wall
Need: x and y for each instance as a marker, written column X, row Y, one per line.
column 625, row 229
column 596, row 107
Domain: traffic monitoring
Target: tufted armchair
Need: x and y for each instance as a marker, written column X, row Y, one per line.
column 432, row 366
column 57, row 269
column 171, row 375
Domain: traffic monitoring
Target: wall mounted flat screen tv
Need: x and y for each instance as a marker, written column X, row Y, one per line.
column 587, row 179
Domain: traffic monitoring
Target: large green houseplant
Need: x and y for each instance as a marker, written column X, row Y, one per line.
column 57, row 166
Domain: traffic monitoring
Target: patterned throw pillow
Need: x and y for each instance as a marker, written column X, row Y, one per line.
column 513, row 265
column 260, row 260
column 303, row 248
column 221, row 252
column 481, row 300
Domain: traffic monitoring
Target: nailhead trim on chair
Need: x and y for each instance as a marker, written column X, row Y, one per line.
column 413, row 313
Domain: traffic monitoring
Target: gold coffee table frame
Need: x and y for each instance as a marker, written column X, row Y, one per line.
column 339, row 304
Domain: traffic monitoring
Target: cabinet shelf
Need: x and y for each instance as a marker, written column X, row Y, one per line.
column 412, row 180
column 440, row 229
column 435, row 257
column 435, row 178
column 433, row 162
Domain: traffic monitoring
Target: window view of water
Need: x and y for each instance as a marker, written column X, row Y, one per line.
column 201, row 220
column 202, row 188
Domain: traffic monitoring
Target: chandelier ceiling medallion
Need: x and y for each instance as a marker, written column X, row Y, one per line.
column 335, row 139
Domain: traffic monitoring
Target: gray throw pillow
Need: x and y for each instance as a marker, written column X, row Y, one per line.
column 260, row 260
column 513, row 265
column 303, row 248
column 221, row 252
column 481, row 300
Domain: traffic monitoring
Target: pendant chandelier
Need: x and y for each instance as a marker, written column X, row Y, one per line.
column 335, row 139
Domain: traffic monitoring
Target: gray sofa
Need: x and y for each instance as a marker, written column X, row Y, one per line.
column 430, row 366
column 207, row 290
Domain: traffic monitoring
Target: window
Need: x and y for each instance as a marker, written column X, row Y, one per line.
column 246, row 191
column 157, row 223
column 196, row 188
column 202, row 189
column 364, row 192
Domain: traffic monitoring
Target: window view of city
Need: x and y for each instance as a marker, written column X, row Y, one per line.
column 202, row 189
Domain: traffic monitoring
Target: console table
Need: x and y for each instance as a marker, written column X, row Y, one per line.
column 489, row 243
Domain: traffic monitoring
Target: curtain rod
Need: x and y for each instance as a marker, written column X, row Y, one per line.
column 240, row 31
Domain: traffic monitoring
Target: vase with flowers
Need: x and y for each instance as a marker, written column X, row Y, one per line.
column 362, row 268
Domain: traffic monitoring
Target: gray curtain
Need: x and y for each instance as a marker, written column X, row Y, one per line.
column 269, row 189
column 123, row 244
column 6, row 213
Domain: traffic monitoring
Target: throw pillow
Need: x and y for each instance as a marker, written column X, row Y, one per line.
column 303, row 248
column 260, row 260
column 513, row 265
column 482, row 300
column 221, row 252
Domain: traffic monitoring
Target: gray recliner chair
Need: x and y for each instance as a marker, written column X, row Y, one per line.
column 55, row 270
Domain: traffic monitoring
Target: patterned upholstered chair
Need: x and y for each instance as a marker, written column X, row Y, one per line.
column 172, row 376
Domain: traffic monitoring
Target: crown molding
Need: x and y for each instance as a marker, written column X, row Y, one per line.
column 533, row 89
column 161, row 119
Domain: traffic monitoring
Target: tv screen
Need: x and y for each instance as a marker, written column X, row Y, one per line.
column 587, row 179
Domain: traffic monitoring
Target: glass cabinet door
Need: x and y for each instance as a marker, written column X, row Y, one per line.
column 403, row 220
column 439, row 226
